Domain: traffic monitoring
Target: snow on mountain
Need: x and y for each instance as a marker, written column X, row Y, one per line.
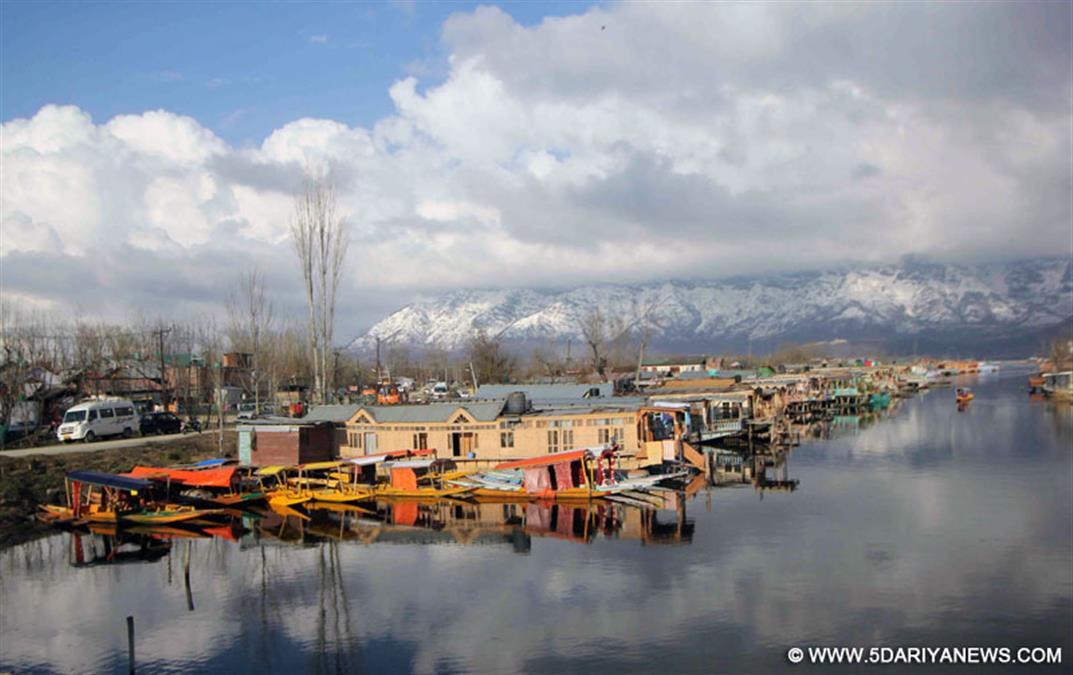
column 912, row 299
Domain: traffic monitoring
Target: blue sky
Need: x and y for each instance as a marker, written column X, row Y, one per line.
column 241, row 69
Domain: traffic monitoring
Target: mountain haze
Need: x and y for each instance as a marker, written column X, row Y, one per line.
column 997, row 309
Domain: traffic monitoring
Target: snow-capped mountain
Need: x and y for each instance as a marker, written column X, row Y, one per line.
column 914, row 301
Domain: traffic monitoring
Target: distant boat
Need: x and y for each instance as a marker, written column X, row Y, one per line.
column 964, row 395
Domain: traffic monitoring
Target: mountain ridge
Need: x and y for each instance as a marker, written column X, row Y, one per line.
column 891, row 304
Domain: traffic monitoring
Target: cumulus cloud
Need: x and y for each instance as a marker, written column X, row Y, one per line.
column 631, row 141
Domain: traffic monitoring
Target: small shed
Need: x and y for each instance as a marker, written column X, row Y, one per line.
column 283, row 441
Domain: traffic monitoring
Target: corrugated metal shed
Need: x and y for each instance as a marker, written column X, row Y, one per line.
column 547, row 392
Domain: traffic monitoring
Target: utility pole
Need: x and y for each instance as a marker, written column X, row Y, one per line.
column 220, row 402
column 378, row 378
column 161, row 331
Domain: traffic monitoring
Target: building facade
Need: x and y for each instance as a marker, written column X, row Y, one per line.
column 483, row 430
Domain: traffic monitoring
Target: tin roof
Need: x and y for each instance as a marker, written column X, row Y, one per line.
column 482, row 411
column 331, row 413
column 546, row 392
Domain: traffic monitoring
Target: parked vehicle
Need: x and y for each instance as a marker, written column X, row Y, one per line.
column 440, row 391
column 98, row 418
column 248, row 411
column 160, row 423
column 191, row 425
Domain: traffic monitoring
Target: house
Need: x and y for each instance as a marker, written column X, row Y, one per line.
column 491, row 430
column 673, row 366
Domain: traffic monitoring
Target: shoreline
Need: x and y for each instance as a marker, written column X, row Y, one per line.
column 26, row 482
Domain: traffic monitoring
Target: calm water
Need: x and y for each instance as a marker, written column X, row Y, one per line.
column 928, row 527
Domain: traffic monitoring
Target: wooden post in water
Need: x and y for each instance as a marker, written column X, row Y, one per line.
column 130, row 644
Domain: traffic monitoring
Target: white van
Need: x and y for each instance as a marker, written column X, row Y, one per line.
column 96, row 418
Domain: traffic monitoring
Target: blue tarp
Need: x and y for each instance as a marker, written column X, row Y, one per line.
column 109, row 480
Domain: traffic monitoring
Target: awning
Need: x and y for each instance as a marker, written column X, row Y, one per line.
column 109, row 480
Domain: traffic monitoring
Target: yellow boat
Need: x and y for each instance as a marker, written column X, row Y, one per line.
column 274, row 484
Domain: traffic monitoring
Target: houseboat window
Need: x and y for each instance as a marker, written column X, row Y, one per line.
column 421, row 441
column 553, row 441
column 661, row 425
column 75, row 416
column 604, row 436
column 506, row 439
column 568, row 439
column 357, row 440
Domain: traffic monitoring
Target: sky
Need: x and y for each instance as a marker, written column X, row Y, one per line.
column 151, row 152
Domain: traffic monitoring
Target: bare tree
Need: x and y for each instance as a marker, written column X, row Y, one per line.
column 593, row 327
column 251, row 316
column 320, row 242
column 490, row 363
column 22, row 348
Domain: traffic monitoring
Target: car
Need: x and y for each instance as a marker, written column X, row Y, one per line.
column 247, row 411
column 160, row 423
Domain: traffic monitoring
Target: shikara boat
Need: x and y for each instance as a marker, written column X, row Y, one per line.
column 96, row 497
column 273, row 483
column 963, row 395
column 209, row 482
column 583, row 474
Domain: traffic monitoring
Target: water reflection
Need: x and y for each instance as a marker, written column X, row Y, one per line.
column 927, row 526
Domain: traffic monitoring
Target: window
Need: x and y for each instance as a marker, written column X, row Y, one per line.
column 92, row 415
column 568, row 439
column 553, row 440
column 604, row 437
column 124, row 412
column 421, row 441
column 107, row 413
column 506, row 439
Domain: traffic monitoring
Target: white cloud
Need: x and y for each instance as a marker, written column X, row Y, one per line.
column 318, row 39
column 621, row 143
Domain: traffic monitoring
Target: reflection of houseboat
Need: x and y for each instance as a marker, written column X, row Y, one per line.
column 1058, row 385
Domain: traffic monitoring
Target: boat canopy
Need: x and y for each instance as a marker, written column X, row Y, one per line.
column 109, row 480
column 211, row 462
column 219, row 477
column 367, row 460
column 270, row 470
column 555, row 458
column 320, row 466
column 410, row 464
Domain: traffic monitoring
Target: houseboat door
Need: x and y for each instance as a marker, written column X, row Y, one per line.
column 462, row 444
column 370, row 443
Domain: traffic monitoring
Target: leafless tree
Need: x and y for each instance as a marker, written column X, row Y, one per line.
column 21, row 350
column 593, row 325
column 211, row 345
column 489, row 361
column 252, row 319
column 320, row 242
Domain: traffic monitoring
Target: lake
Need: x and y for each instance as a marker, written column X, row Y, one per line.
column 928, row 526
